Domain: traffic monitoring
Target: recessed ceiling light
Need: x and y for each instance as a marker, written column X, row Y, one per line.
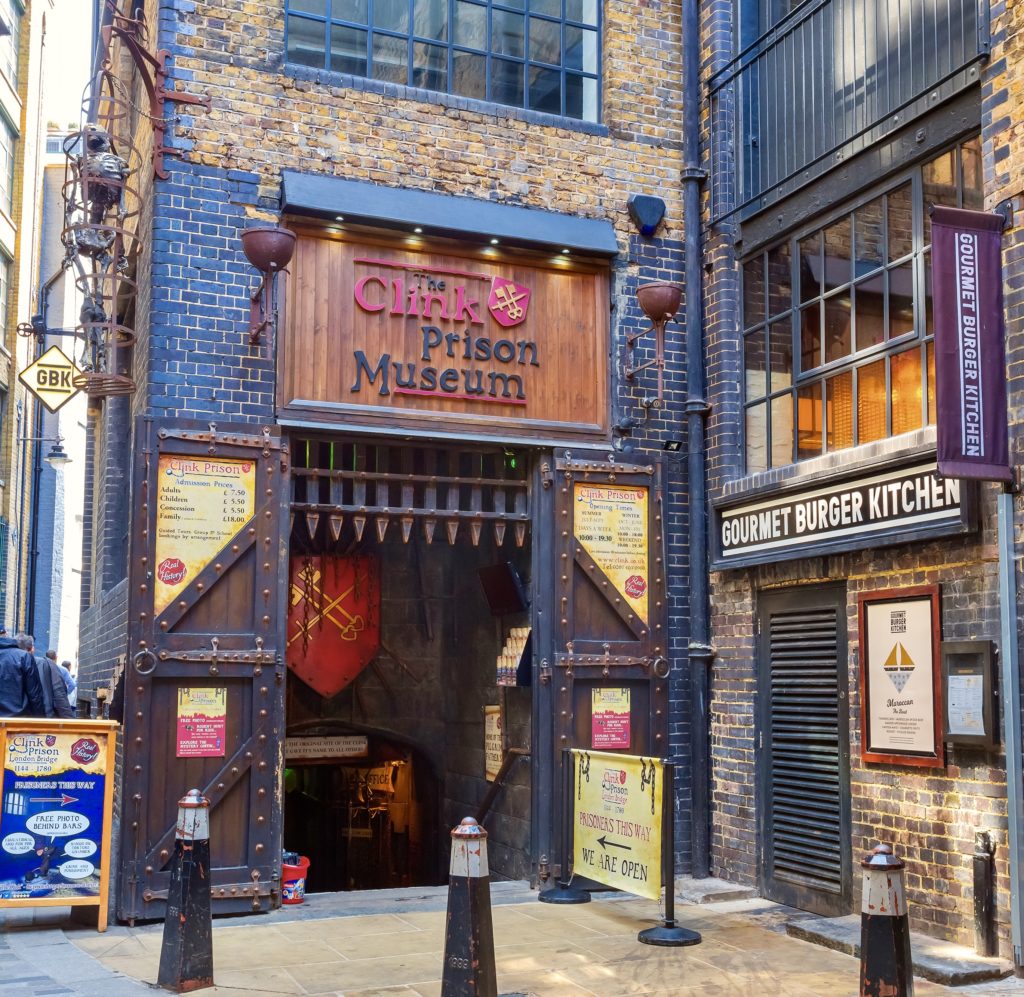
column 494, row 242
column 339, row 218
column 418, row 230
column 565, row 252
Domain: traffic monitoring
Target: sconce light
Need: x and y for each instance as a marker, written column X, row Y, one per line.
column 659, row 302
column 269, row 249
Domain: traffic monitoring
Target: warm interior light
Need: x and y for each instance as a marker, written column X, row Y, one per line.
column 418, row 230
column 494, row 242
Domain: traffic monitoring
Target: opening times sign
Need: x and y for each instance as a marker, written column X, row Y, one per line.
column 617, row 810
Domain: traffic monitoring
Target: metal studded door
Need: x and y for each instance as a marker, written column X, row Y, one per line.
column 610, row 668
column 204, row 679
column 803, row 750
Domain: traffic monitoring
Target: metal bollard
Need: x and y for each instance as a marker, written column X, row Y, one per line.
column 886, row 968
column 469, row 937
column 186, row 954
column 984, row 894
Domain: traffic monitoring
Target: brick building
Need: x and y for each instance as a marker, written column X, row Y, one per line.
column 444, row 374
column 413, row 148
column 828, row 143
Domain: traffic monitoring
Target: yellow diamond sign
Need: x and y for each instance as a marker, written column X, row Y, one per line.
column 50, row 378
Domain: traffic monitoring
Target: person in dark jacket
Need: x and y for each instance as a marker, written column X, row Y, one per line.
column 55, row 693
column 21, row 693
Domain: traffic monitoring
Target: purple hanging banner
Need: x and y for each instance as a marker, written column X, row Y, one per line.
column 970, row 362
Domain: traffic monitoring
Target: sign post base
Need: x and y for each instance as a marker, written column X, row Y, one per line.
column 562, row 894
column 668, row 934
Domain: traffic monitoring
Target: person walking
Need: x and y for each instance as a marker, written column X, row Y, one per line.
column 55, row 694
column 21, row 692
column 65, row 673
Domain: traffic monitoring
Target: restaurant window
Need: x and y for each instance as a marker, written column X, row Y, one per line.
column 543, row 55
column 837, row 320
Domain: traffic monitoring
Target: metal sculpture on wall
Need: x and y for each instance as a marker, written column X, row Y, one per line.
column 102, row 201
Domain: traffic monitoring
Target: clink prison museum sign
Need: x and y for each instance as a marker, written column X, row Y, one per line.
column 889, row 507
column 385, row 336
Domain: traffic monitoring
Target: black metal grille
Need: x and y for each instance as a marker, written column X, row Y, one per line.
column 805, row 822
column 829, row 79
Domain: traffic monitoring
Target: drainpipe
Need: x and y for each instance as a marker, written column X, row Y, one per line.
column 700, row 651
column 1009, row 654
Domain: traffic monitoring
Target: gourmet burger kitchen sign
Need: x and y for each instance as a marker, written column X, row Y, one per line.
column 385, row 336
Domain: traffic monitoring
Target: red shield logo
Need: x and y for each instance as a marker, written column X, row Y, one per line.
column 333, row 619
column 51, row 740
column 85, row 750
column 508, row 302
column 171, row 570
column 635, row 586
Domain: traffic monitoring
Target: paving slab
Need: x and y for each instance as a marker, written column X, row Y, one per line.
column 935, row 960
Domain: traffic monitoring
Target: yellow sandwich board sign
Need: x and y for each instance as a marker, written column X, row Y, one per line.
column 617, row 810
column 51, row 377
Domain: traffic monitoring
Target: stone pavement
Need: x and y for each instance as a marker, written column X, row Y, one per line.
column 392, row 943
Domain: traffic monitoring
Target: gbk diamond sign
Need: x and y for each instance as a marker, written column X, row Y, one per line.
column 51, row 378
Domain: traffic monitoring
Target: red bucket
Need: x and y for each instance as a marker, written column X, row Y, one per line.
column 293, row 881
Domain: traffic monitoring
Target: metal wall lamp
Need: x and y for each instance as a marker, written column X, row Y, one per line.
column 58, row 456
column 269, row 249
column 659, row 301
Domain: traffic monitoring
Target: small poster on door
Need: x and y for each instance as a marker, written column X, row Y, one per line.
column 202, row 722
column 609, row 719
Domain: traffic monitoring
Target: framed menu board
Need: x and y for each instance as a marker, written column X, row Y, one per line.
column 901, row 687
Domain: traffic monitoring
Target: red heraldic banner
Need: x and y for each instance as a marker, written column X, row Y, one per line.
column 970, row 360
column 333, row 619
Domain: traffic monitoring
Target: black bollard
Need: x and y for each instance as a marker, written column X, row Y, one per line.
column 186, row 954
column 469, row 937
column 886, row 968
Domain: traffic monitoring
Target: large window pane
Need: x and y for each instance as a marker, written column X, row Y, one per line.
column 838, row 338
column 756, row 431
column 470, row 25
column 552, row 7
column 507, row 82
column 391, row 15
column 508, row 33
column 808, row 414
column 906, row 389
column 581, row 10
column 318, row 7
column 780, row 355
column 971, row 174
column 810, row 267
column 901, row 300
column 755, row 366
column 838, row 269
column 869, row 236
column 306, row 40
column 782, row 430
column 871, row 402
column 930, row 360
column 869, row 303
column 348, row 50
column 390, row 59
column 429, row 66
column 469, row 75
column 901, row 222
column 780, row 280
column 810, row 337
column 431, row 19
column 545, row 90
column 839, row 411
column 581, row 49
column 545, row 41
column 581, row 97
column 940, row 186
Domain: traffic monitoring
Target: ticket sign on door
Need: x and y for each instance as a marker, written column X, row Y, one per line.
column 51, row 821
column 617, row 821
column 200, row 505
column 610, row 524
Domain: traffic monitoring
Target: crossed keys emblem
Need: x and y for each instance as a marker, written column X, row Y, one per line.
column 325, row 610
column 508, row 302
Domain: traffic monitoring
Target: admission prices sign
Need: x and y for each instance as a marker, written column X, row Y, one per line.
column 970, row 362
column 617, row 821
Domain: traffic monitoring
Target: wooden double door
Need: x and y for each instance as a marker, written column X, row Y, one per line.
column 204, row 675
